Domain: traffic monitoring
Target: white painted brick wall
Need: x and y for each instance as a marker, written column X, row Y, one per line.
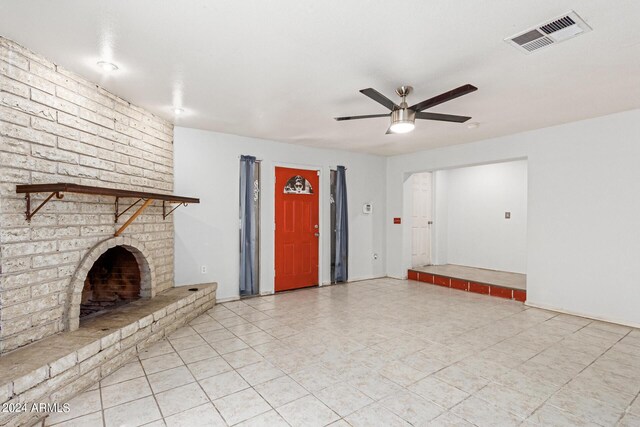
column 58, row 127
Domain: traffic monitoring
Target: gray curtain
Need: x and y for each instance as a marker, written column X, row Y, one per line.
column 248, row 226
column 342, row 227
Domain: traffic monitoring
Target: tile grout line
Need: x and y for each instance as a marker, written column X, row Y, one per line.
column 150, row 388
column 186, row 365
column 582, row 370
column 104, row 420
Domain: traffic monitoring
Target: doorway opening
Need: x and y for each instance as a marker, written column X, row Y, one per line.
column 297, row 232
column 477, row 235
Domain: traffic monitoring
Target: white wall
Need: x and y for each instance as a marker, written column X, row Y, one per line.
column 583, row 234
column 471, row 203
column 207, row 166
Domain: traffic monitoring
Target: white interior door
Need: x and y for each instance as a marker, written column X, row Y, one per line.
column 421, row 220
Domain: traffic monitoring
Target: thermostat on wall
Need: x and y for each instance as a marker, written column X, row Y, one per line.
column 367, row 208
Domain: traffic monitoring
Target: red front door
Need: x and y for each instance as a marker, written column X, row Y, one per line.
column 297, row 231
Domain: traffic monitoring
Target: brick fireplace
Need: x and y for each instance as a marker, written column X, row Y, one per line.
column 59, row 127
column 75, row 261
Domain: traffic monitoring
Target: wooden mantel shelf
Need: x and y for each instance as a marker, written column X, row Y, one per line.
column 58, row 190
column 101, row 191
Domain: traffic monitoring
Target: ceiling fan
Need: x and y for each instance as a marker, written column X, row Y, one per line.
column 403, row 117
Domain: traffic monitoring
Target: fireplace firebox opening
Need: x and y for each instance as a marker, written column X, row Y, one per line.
column 112, row 281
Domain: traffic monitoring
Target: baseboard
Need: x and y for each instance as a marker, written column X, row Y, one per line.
column 237, row 298
column 354, row 279
column 580, row 314
column 228, row 299
column 264, row 293
column 362, row 278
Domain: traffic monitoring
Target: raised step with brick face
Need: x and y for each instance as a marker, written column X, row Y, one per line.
column 469, row 286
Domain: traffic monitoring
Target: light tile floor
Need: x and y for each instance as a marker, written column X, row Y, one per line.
column 375, row 353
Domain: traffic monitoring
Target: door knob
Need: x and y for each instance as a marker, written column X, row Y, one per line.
column 316, row 234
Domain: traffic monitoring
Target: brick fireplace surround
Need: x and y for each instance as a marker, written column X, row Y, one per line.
column 58, row 127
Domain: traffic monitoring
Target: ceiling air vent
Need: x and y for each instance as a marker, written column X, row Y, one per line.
column 549, row 33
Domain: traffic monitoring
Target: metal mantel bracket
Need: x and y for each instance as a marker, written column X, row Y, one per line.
column 165, row 214
column 134, row 216
column 27, row 197
column 119, row 214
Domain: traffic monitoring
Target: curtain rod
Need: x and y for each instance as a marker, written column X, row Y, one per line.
column 257, row 160
column 330, row 167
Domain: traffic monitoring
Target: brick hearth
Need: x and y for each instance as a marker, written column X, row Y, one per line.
column 55, row 369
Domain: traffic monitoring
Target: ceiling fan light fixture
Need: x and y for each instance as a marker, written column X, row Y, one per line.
column 403, row 116
column 402, row 127
column 402, row 120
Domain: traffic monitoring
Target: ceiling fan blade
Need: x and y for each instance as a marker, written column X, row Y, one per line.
column 368, row 116
column 444, row 97
column 379, row 98
column 442, row 117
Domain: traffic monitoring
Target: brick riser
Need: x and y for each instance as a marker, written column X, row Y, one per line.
column 469, row 286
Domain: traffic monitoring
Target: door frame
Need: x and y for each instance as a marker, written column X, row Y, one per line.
column 321, row 209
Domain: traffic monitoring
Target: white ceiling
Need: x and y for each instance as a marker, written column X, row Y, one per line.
column 282, row 69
